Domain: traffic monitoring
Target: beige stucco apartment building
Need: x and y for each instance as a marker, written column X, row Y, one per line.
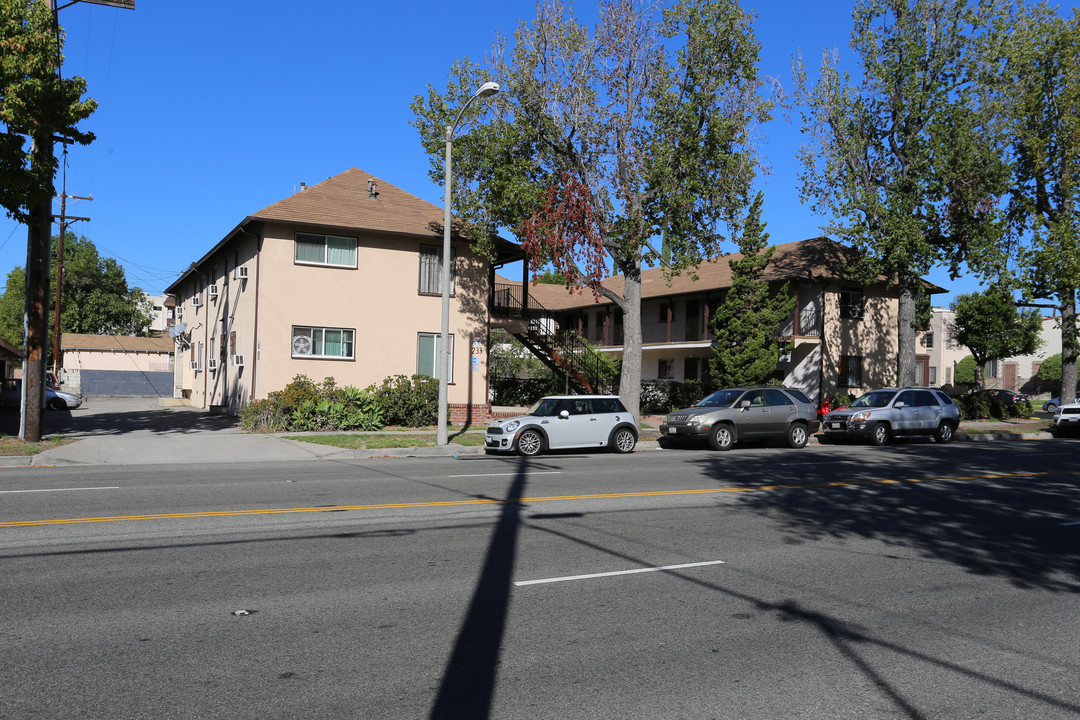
column 342, row 280
column 844, row 333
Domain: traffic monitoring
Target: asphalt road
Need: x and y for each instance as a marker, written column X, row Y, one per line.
column 913, row 581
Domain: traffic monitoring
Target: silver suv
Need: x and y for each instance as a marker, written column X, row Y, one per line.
column 880, row 415
column 728, row 416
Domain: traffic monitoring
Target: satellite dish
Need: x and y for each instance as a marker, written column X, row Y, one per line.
column 177, row 330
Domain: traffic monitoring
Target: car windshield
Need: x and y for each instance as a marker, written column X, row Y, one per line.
column 544, row 407
column 720, row 398
column 878, row 398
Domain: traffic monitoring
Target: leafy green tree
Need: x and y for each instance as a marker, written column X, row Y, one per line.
column 1040, row 89
column 991, row 326
column 602, row 141
column 745, row 324
column 904, row 157
column 965, row 371
column 1050, row 369
column 95, row 298
column 552, row 277
column 32, row 97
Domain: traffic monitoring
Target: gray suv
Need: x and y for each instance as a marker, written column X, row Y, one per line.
column 880, row 415
column 729, row 416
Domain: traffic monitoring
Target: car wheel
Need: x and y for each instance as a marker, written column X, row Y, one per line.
column 880, row 434
column 530, row 443
column 797, row 437
column 721, row 437
column 1050, row 408
column 58, row 404
column 623, row 440
column 945, row 433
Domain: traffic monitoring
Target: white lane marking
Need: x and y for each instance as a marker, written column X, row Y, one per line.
column 114, row 487
column 543, row 472
column 619, row 572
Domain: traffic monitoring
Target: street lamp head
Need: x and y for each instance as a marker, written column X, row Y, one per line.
column 488, row 89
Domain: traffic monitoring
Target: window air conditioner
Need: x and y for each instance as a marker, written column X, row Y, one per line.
column 194, row 365
column 212, row 291
column 238, row 360
column 211, row 364
column 196, row 301
column 179, row 312
column 241, row 272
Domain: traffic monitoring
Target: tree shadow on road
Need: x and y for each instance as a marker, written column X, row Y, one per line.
column 972, row 511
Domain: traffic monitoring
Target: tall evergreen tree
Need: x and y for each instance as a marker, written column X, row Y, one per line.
column 747, row 321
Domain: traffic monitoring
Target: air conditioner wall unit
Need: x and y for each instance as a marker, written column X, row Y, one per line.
column 194, row 365
column 241, row 272
column 212, row 291
column 211, row 364
column 196, row 301
column 238, row 360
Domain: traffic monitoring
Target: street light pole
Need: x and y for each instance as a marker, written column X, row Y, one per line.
column 441, row 436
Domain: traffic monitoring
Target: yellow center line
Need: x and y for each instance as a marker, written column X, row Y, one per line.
column 452, row 503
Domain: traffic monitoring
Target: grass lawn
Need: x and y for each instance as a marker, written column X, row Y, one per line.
column 376, row 441
column 15, row 446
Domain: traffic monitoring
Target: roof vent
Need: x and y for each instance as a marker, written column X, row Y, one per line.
column 371, row 189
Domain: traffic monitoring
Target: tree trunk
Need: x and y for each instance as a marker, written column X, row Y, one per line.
column 1068, row 344
column 630, row 378
column 905, row 332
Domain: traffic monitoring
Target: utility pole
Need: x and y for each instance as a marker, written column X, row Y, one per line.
column 64, row 220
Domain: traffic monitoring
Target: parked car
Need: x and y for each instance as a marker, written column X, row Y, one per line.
column 11, row 396
column 1067, row 419
column 1051, row 406
column 1008, row 397
column 880, row 415
column 561, row 422
column 736, row 414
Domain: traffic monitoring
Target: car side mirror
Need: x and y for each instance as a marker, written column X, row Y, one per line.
column 565, row 414
column 898, row 405
column 744, row 404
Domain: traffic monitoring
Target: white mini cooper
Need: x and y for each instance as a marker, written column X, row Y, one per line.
column 562, row 422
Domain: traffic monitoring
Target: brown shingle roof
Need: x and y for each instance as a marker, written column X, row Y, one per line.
column 116, row 343
column 817, row 259
column 342, row 201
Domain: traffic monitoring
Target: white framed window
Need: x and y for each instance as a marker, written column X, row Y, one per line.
column 427, row 355
column 666, row 370
column 431, row 270
column 325, row 250
column 321, row 342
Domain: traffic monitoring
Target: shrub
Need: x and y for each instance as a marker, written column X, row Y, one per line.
column 407, row 402
column 304, row 405
column 839, row 400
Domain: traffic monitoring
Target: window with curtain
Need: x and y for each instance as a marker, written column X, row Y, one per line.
column 319, row 342
column 427, row 355
column 325, row 250
column 431, row 270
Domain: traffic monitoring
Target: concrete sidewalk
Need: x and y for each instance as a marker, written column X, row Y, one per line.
column 140, row 431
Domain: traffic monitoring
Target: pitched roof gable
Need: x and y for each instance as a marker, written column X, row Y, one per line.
column 342, row 201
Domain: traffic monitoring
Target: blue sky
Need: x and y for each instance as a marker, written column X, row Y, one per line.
column 210, row 111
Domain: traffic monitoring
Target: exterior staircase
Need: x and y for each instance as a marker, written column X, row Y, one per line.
column 564, row 352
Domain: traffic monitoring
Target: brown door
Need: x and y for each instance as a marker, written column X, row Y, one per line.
column 1010, row 377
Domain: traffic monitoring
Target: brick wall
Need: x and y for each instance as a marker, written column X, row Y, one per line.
column 476, row 415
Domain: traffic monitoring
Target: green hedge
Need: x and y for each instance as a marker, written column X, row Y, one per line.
column 304, row 405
